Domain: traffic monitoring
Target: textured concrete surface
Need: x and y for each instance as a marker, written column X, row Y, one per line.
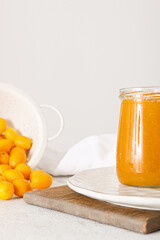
column 21, row 221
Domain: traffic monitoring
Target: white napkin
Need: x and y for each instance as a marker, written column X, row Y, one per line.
column 91, row 152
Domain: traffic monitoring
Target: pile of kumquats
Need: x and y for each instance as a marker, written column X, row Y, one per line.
column 16, row 177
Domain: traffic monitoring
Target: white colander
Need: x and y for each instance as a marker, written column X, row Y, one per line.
column 22, row 113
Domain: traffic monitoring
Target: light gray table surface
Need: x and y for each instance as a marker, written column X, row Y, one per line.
column 21, row 221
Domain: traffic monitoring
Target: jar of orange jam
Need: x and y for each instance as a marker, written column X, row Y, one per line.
column 138, row 144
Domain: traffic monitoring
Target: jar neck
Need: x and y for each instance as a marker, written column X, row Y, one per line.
column 139, row 93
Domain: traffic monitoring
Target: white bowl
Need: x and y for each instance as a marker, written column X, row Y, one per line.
column 22, row 113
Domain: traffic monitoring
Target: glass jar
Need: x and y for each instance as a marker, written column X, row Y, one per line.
column 138, row 144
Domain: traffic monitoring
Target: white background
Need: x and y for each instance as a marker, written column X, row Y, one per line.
column 77, row 54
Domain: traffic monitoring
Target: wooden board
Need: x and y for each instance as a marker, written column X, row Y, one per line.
column 65, row 200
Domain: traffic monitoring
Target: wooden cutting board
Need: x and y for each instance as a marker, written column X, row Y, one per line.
column 65, row 200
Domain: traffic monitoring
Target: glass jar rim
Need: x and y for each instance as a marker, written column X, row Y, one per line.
column 153, row 91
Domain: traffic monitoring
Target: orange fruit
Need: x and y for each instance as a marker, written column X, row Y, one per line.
column 35, row 172
column 12, row 175
column 1, row 137
column 24, row 169
column 23, row 142
column 21, row 186
column 4, row 158
column 17, row 157
column 3, row 168
column 42, row 180
column 10, row 134
column 5, row 145
column 3, row 125
column 6, row 190
column 17, row 148
column 2, row 178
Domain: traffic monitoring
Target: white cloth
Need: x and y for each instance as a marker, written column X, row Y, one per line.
column 91, row 152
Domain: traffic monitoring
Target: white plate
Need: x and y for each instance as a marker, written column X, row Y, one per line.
column 102, row 184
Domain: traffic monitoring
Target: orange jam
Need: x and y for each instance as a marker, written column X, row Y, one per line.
column 138, row 145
